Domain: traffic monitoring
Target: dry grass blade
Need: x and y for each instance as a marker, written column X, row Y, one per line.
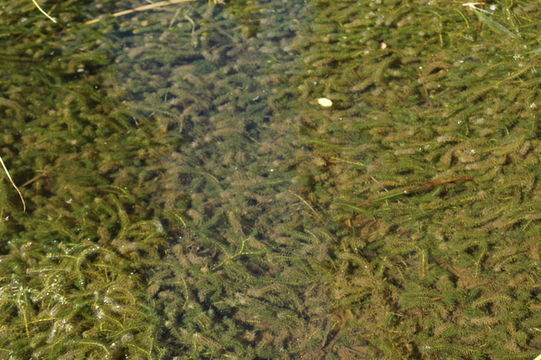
column 140, row 8
column 44, row 12
column 13, row 183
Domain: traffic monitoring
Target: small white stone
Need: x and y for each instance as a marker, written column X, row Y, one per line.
column 324, row 102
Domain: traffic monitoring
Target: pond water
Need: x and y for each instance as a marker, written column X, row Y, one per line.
column 191, row 196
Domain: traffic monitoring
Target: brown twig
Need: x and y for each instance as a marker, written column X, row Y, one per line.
column 414, row 190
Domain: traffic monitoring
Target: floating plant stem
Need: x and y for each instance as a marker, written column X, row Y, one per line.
column 338, row 160
column 13, row 183
column 140, row 8
column 44, row 12
column 415, row 189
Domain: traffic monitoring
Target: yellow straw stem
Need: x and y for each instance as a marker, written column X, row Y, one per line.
column 13, row 183
column 44, row 13
column 140, row 8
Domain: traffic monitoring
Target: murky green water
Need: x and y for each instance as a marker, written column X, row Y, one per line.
column 189, row 198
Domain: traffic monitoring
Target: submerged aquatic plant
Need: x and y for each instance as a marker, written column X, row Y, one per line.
column 171, row 213
column 156, row 185
column 434, row 93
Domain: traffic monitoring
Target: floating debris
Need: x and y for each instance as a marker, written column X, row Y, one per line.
column 324, row 102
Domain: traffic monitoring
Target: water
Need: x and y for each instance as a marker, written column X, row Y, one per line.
column 157, row 154
column 189, row 198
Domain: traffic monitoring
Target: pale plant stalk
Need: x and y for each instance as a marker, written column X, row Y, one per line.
column 141, row 8
column 44, row 12
column 13, row 183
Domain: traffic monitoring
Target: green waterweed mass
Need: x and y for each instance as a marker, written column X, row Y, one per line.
column 428, row 92
column 156, row 173
column 188, row 198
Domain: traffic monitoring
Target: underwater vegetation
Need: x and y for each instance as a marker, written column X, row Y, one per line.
column 189, row 198
column 425, row 93
column 156, row 169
